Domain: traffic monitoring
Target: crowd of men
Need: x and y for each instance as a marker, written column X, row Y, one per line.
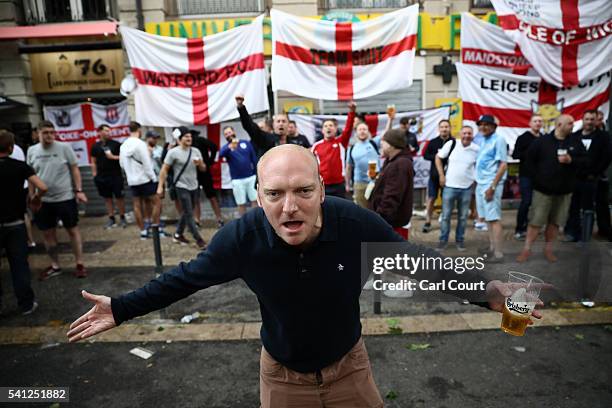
column 562, row 180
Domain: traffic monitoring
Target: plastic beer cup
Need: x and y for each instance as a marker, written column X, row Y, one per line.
column 519, row 306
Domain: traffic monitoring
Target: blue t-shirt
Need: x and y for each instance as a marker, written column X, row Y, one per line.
column 493, row 150
column 358, row 156
column 242, row 161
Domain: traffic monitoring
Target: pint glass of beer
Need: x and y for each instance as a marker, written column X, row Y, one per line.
column 519, row 306
column 390, row 110
column 372, row 169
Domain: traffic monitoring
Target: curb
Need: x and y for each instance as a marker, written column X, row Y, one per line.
column 376, row 326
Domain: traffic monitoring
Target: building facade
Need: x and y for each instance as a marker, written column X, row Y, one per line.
column 57, row 52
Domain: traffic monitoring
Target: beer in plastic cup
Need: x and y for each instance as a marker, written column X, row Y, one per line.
column 234, row 143
column 519, row 306
column 390, row 110
column 372, row 169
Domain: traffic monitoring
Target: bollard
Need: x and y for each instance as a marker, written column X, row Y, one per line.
column 586, row 253
column 159, row 263
column 377, row 302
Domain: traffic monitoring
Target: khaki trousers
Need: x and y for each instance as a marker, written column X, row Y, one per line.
column 359, row 194
column 347, row 383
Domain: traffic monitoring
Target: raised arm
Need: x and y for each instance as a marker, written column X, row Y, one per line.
column 258, row 136
column 389, row 124
column 348, row 127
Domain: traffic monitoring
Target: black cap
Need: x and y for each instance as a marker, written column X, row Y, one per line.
column 486, row 119
column 152, row 133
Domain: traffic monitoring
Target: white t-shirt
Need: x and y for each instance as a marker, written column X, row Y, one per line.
column 135, row 160
column 461, row 171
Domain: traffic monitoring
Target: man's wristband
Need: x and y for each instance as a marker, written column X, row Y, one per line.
column 78, row 190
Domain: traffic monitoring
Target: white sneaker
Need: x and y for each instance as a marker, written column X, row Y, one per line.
column 481, row 226
column 31, row 310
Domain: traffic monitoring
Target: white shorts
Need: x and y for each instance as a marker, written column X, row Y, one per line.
column 243, row 189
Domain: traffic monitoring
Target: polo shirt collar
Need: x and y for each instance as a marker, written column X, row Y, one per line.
column 329, row 229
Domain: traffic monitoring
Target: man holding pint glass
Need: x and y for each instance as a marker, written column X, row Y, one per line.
column 552, row 160
column 313, row 353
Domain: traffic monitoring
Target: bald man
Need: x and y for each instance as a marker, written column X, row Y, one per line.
column 297, row 253
column 553, row 161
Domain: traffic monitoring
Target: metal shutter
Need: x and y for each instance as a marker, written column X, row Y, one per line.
column 405, row 100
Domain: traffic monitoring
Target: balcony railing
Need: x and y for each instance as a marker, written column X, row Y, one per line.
column 364, row 4
column 195, row 7
column 58, row 11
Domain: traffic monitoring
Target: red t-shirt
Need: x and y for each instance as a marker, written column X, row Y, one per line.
column 331, row 154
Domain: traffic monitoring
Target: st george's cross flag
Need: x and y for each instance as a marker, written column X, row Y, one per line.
column 486, row 44
column 193, row 81
column 77, row 124
column 566, row 41
column 341, row 61
column 512, row 99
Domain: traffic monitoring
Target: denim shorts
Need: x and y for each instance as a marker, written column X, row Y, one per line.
column 244, row 189
column 489, row 210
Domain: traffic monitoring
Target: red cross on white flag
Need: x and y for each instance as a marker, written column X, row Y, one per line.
column 488, row 57
column 512, row 99
column 566, row 41
column 193, row 81
column 342, row 61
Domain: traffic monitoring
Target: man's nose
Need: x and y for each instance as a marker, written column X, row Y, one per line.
column 290, row 204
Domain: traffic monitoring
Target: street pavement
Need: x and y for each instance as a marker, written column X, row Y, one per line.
column 449, row 355
column 562, row 367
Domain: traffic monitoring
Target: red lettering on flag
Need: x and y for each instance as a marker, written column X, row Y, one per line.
column 520, row 69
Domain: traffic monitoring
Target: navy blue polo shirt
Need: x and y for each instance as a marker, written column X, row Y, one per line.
column 309, row 300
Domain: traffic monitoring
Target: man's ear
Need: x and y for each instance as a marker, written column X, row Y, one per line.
column 258, row 192
column 322, row 188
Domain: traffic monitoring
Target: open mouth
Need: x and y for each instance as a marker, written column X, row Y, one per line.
column 293, row 225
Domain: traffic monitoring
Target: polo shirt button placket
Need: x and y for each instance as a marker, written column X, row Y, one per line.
column 303, row 270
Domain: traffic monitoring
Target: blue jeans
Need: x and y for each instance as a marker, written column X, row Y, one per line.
column 14, row 241
column 526, row 190
column 463, row 197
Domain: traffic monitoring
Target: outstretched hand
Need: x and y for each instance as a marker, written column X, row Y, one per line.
column 239, row 99
column 352, row 106
column 497, row 292
column 98, row 319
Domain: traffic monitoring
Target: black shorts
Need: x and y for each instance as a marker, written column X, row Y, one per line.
column 206, row 181
column 49, row 213
column 109, row 186
column 144, row 190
